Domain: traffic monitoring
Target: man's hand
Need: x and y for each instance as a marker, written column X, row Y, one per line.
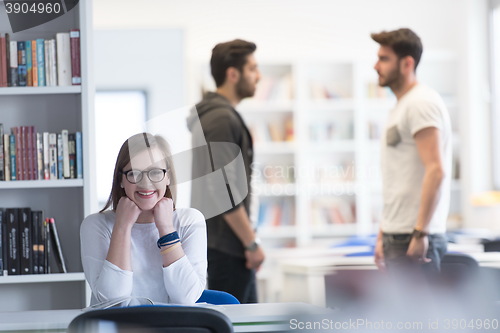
column 254, row 258
column 417, row 250
column 379, row 253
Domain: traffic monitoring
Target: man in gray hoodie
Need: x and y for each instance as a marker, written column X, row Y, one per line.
column 222, row 158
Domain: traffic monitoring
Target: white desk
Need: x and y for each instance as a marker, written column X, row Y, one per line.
column 262, row 317
column 306, row 276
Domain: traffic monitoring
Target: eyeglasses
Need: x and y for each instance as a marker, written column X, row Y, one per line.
column 154, row 175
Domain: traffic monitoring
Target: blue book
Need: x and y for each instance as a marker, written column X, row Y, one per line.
column 40, row 57
column 13, row 165
column 79, row 157
column 21, row 64
column 29, row 69
column 60, row 167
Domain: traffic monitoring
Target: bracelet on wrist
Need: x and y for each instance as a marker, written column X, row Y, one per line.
column 168, row 239
column 170, row 249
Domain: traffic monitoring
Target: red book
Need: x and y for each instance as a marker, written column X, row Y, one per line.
column 76, row 76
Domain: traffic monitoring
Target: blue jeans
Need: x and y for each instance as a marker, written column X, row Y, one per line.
column 396, row 245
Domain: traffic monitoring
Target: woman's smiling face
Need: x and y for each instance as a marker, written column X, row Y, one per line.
column 145, row 193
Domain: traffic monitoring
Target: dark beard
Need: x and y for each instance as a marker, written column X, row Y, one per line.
column 243, row 89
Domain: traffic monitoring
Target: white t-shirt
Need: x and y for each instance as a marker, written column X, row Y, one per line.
column 402, row 168
column 181, row 283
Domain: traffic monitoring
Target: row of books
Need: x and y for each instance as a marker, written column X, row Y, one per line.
column 29, row 243
column 332, row 211
column 28, row 155
column 328, row 131
column 41, row 62
column 275, row 213
column 273, row 131
column 274, row 88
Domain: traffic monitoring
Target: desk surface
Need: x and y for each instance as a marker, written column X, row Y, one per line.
column 261, row 317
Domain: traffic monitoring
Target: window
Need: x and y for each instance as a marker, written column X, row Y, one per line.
column 118, row 115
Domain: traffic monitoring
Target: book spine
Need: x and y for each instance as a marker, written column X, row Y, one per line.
column 42, row 245
column 65, row 153
column 29, row 67
column 3, row 62
column 46, row 156
column 53, row 61
column 21, row 63
column 79, row 155
column 14, row 80
column 28, row 151
column 39, row 150
column 40, row 58
column 60, row 164
column 34, row 153
column 72, row 155
column 23, row 139
column 56, row 246
column 2, row 243
column 76, row 78
column 12, row 221
column 48, row 247
column 2, row 157
column 6, row 154
column 53, row 155
column 25, row 241
column 63, row 59
column 12, row 154
column 34, row 63
column 35, row 240
column 48, row 77
column 18, row 153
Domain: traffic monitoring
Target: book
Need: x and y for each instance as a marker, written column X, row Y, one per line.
column 79, row 155
column 12, row 154
column 53, row 155
column 12, row 229
column 63, row 59
column 56, row 245
column 3, row 62
column 76, row 78
column 47, row 69
column 72, row 155
column 25, row 241
column 65, row 154
column 53, row 62
column 60, row 153
column 13, row 64
column 6, row 154
column 21, row 63
column 39, row 150
column 46, row 155
column 2, row 157
column 1, row 243
column 40, row 58
column 18, row 146
column 34, row 63
column 37, row 226
column 29, row 67
column 7, row 59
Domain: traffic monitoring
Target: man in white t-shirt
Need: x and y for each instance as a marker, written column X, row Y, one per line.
column 416, row 160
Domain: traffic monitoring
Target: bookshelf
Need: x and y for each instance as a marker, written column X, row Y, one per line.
column 52, row 109
column 324, row 176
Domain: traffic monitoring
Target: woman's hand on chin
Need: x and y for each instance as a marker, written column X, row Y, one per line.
column 163, row 214
column 127, row 212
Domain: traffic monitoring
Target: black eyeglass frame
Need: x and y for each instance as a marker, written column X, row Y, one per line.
column 144, row 172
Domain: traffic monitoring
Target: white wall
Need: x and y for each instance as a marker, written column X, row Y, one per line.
column 297, row 29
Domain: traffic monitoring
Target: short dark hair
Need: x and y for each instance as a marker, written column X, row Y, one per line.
column 404, row 42
column 229, row 54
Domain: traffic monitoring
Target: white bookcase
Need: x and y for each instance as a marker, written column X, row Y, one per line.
column 69, row 201
column 317, row 170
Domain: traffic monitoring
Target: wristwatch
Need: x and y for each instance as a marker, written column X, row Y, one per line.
column 252, row 247
column 419, row 234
